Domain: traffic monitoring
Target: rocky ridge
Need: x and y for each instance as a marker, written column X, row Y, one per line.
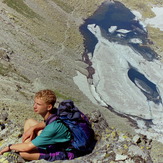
column 41, row 48
column 112, row 145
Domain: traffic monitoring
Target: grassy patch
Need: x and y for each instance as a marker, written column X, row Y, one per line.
column 21, row 8
column 62, row 4
column 156, row 36
column 3, row 70
column 143, row 6
column 10, row 71
column 64, row 97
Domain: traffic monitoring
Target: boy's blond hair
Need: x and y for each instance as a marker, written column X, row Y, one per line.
column 47, row 95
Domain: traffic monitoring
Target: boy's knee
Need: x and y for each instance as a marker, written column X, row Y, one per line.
column 31, row 122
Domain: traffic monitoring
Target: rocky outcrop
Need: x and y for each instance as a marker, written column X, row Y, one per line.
column 112, row 145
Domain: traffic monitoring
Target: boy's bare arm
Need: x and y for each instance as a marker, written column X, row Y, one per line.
column 32, row 132
column 21, row 147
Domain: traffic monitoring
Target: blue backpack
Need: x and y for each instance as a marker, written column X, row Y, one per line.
column 82, row 134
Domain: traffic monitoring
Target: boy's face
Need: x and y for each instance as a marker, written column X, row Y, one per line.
column 40, row 107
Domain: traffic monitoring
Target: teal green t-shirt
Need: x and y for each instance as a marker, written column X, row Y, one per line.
column 55, row 132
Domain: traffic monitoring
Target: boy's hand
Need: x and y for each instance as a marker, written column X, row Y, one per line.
column 28, row 135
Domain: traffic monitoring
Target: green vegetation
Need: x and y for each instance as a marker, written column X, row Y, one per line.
column 3, row 70
column 21, row 8
column 9, row 70
column 23, row 78
column 24, row 94
column 142, row 6
column 64, row 97
column 62, row 4
column 156, row 36
column 157, row 2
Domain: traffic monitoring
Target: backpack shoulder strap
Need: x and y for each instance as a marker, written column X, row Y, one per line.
column 51, row 118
